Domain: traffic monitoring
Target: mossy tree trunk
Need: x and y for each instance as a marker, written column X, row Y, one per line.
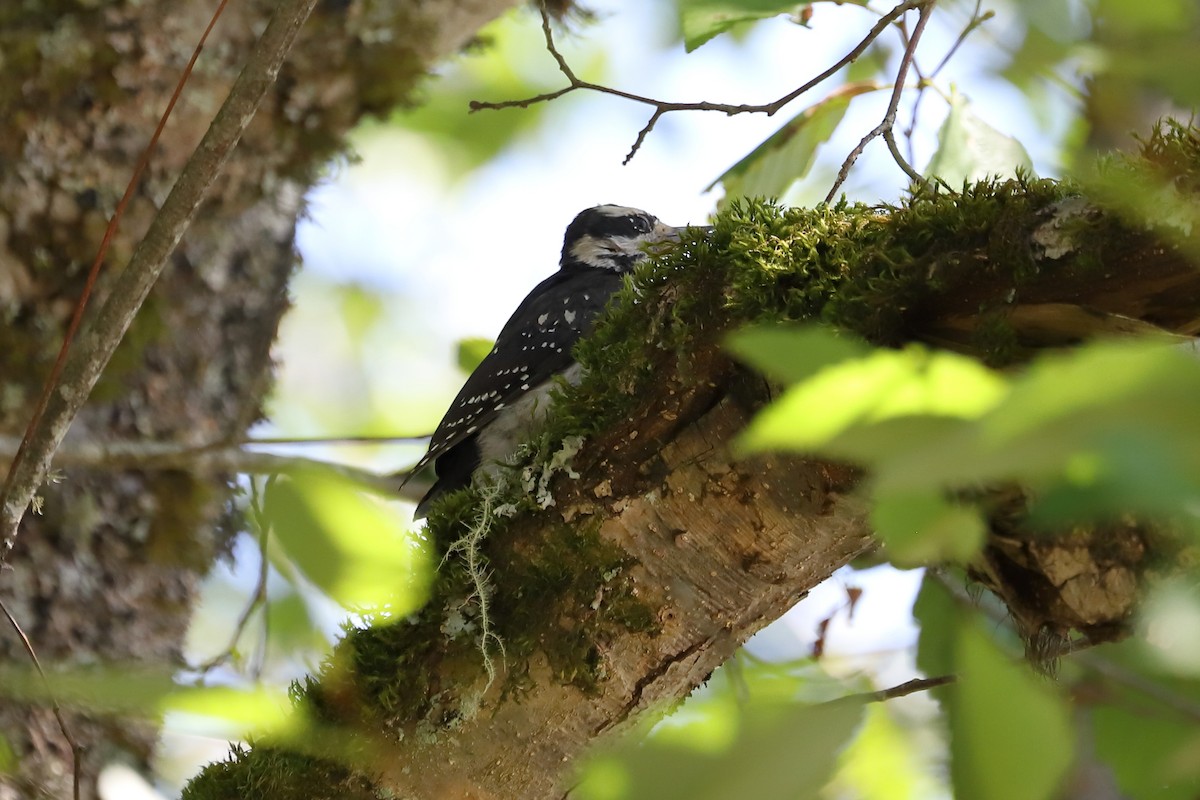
column 108, row 573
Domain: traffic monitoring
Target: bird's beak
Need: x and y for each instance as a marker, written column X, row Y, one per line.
column 666, row 233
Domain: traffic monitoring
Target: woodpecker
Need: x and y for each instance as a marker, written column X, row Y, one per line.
column 508, row 392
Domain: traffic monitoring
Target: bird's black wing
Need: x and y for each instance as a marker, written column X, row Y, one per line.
column 533, row 346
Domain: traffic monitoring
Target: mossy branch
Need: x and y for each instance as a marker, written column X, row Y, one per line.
column 668, row 551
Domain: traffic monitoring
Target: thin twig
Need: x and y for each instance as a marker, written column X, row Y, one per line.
column 977, row 18
column 76, row 749
column 258, row 598
column 904, row 689
column 91, row 353
column 335, row 440
column 662, row 107
column 974, row 22
column 885, row 128
column 203, row 459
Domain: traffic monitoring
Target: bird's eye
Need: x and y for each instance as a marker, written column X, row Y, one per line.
column 640, row 224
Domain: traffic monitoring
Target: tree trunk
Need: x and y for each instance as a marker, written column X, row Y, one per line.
column 108, row 573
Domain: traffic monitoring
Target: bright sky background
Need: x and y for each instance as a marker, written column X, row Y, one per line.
column 440, row 256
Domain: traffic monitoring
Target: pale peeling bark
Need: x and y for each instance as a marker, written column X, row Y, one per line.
column 722, row 548
column 108, row 575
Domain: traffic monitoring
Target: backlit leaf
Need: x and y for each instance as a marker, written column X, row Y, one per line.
column 789, row 154
column 350, row 544
column 969, row 149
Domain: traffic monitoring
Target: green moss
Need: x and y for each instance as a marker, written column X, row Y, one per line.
column 278, row 774
column 148, row 328
column 562, row 592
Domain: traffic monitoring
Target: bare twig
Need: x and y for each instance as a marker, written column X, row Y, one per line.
column 88, row 358
column 76, row 750
column 885, row 128
column 258, row 598
column 977, row 19
column 662, row 107
column 904, row 689
column 202, row 459
column 335, row 440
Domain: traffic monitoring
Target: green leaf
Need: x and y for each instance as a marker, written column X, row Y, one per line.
column 884, row 762
column 1153, row 757
column 969, row 149
column 938, row 615
column 701, row 20
column 351, row 545
column 790, row 354
column 471, row 351
column 920, row 528
column 511, row 64
column 883, row 385
column 789, row 154
column 9, row 761
column 1109, row 417
column 259, row 710
column 1010, row 731
column 775, row 755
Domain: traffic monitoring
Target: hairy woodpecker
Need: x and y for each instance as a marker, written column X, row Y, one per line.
column 508, row 392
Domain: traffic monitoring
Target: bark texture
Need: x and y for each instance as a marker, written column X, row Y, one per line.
column 107, row 575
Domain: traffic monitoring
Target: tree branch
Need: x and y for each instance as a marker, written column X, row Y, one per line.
column 206, row 459
column 662, row 107
column 889, row 118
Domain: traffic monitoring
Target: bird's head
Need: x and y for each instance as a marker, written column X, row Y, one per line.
column 613, row 237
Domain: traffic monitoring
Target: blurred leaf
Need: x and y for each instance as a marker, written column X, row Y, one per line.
column 751, row 732
column 793, row 353
column 361, row 310
column 9, row 763
column 937, row 614
column 782, row 754
column 701, row 20
column 1119, row 416
column 788, row 155
column 883, row 385
column 509, row 63
column 1152, row 757
column 348, row 543
column 135, row 691
column 1146, row 731
column 969, row 149
column 148, row 694
column 884, row 762
column 471, row 351
column 240, row 711
column 291, row 629
column 1170, row 627
column 920, row 528
column 1010, row 731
